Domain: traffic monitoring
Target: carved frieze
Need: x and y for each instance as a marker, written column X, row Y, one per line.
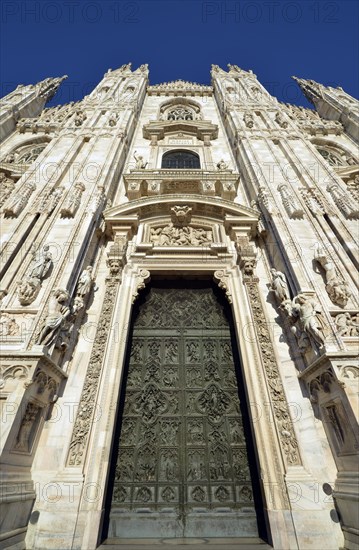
column 83, row 420
column 285, row 427
column 347, row 324
column 170, row 235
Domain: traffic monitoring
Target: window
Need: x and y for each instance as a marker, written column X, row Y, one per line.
column 180, row 159
column 180, row 113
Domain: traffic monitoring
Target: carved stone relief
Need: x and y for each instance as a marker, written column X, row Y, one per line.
column 347, row 324
column 82, row 425
column 28, row 428
column 170, row 235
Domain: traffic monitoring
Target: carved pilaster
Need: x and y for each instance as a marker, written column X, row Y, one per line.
column 288, row 440
column 86, row 409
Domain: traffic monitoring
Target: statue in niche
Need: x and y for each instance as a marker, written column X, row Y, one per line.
column 279, row 286
column 19, row 200
column 85, row 282
column 23, row 438
column 248, row 120
column 30, row 285
column 140, row 162
column 41, row 263
column 337, row 290
column 58, row 312
column 222, row 165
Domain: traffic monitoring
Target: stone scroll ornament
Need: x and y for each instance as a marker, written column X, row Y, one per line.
column 29, row 287
column 338, row 291
column 83, row 420
column 283, row 420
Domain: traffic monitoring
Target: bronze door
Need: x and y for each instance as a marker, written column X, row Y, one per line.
column 182, row 465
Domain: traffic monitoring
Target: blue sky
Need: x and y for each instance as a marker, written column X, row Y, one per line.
column 315, row 39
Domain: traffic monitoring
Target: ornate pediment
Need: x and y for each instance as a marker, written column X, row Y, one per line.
column 202, row 129
column 212, row 210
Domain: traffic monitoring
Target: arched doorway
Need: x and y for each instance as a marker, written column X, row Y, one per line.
column 183, row 463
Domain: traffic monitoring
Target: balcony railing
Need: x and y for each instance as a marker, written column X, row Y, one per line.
column 147, row 182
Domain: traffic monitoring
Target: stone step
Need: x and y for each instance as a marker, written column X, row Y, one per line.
column 185, row 544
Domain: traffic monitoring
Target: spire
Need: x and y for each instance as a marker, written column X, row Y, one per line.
column 47, row 88
column 311, row 89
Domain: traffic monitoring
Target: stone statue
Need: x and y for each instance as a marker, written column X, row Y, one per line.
column 248, row 120
column 337, row 290
column 85, row 282
column 222, row 165
column 307, row 309
column 140, row 163
column 58, row 312
column 302, row 338
column 41, row 264
column 280, row 120
column 79, row 118
column 279, row 286
column 112, row 121
column 29, row 286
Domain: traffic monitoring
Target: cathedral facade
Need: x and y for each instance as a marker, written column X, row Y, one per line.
column 179, row 314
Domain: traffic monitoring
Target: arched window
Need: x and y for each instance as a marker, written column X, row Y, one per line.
column 180, row 113
column 181, row 159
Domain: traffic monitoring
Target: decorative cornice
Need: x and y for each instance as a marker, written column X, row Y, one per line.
column 178, row 87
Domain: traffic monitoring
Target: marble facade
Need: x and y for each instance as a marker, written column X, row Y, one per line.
column 89, row 215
